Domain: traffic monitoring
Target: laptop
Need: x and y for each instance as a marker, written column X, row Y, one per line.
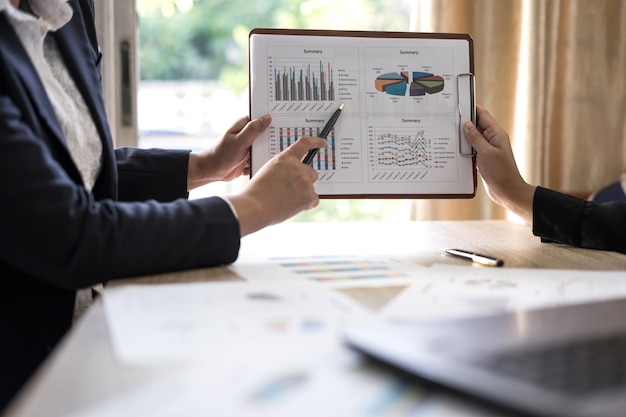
column 554, row 362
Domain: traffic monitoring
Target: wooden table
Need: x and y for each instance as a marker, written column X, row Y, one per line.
column 83, row 370
column 423, row 241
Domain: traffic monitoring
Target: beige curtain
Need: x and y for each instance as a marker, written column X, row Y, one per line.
column 553, row 73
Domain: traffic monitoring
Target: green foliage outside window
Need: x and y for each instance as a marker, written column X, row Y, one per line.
column 208, row 40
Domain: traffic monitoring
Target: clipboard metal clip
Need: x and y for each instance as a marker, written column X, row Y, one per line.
column 472, row 115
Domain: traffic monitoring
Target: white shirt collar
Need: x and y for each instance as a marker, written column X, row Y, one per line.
column 51, row 15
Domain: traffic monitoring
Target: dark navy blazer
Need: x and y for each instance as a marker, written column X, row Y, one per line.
column 55, row 237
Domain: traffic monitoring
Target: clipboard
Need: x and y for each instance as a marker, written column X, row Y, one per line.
column 406, row 97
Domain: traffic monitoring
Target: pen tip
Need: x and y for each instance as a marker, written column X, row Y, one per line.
column 341, row 106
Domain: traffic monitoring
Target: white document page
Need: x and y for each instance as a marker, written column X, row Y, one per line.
column 462, row 291
column 338, row 271
column 405, row 101
column 156, row 324
column 374, row 255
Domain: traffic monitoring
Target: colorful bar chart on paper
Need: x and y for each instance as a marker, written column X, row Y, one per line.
column 342, row 270
column 338, row 268
column 326, row 158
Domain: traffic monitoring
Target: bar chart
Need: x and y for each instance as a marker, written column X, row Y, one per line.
column 326, row 159
column 304, row 81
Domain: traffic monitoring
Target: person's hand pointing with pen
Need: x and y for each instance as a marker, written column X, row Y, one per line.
column 282, row 188
column 308, row 158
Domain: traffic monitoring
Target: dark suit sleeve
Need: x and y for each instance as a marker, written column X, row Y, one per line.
column 53, row 229
column 565, row 219
column 151, row 174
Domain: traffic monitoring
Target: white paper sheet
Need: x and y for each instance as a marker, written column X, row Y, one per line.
column 176, row 322
column 457, row 291
column 332, row 270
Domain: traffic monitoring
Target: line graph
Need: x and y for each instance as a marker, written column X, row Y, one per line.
column 400, row 148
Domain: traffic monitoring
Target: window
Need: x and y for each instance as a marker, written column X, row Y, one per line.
column 194, row 74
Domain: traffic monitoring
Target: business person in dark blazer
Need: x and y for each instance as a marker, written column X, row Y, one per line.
column 554, row 216
column 74, row 212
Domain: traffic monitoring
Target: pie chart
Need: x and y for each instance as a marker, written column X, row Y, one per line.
column 419, row 83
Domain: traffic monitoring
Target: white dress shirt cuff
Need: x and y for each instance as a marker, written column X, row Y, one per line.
column 232, row 208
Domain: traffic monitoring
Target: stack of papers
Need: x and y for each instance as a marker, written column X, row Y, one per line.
column 252, row 349
column 273, row 346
